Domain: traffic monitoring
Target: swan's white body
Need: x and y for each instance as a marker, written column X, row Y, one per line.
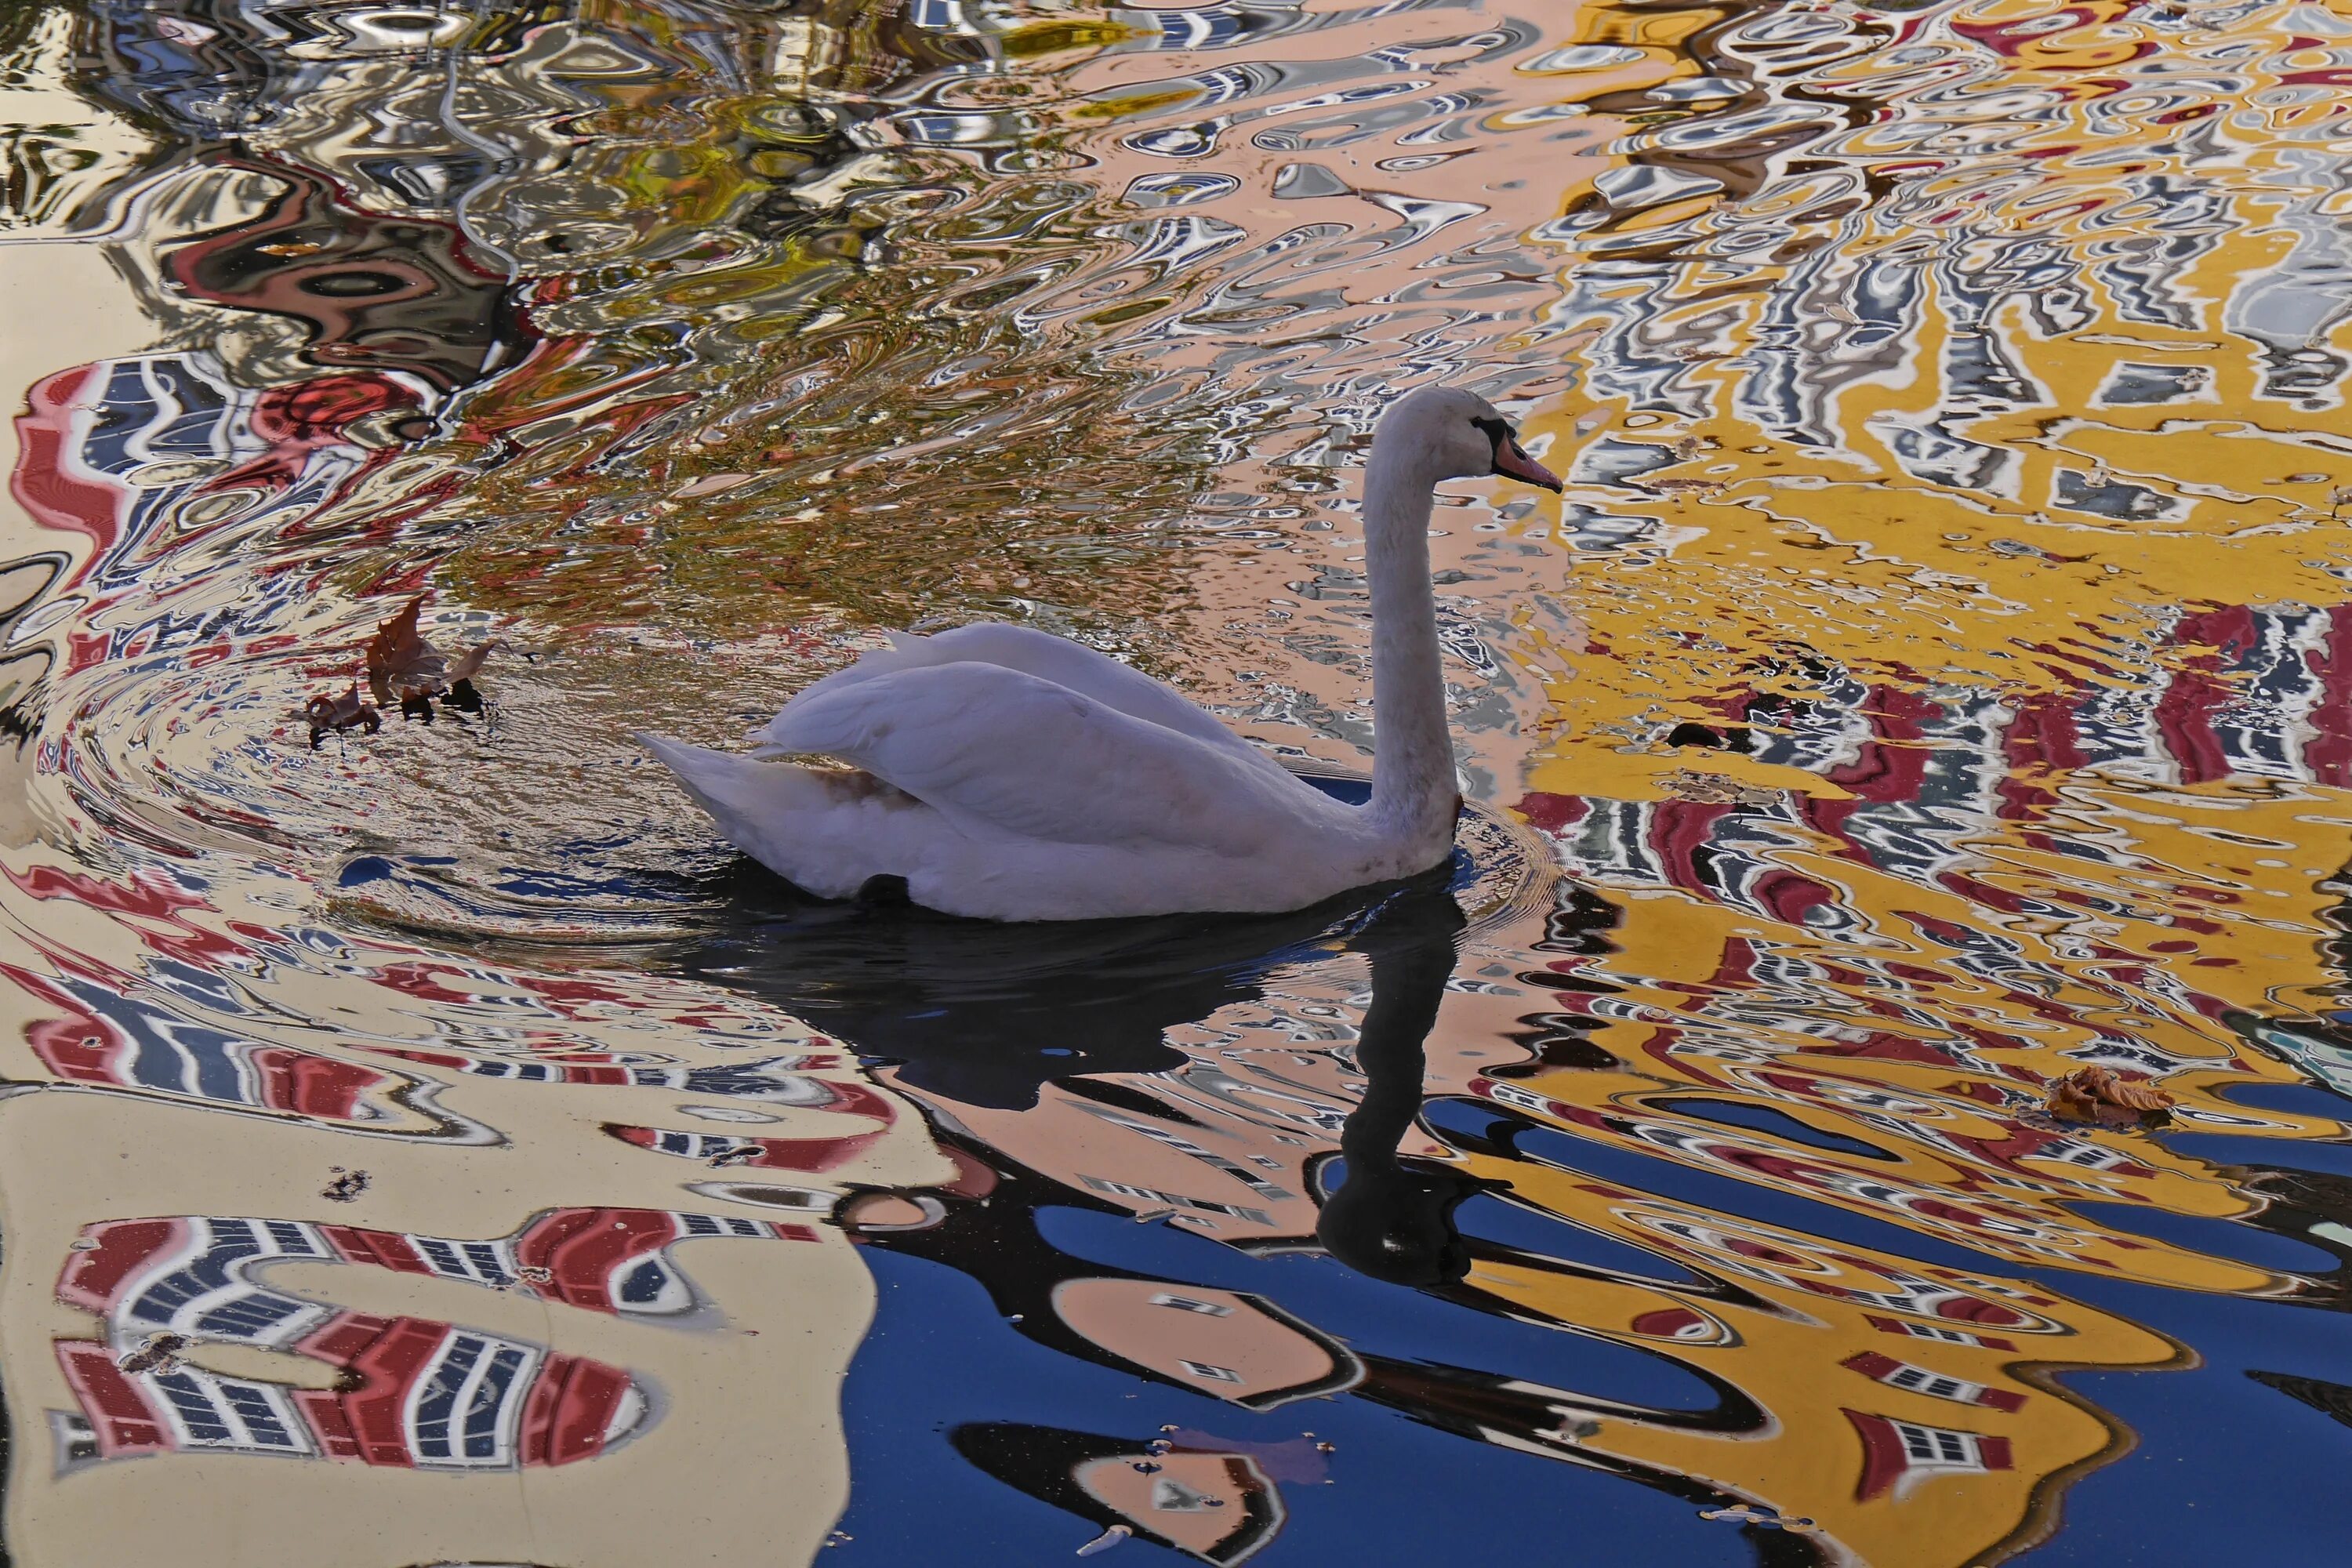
column 1009, row 775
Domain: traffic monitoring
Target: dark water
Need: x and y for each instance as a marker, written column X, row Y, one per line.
column 430, row 1145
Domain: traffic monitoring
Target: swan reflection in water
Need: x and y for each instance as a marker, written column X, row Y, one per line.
column 1391, row 1216
column 974, row 1015
column 985, row 1013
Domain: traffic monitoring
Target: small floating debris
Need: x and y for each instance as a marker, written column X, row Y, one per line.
column 1715, row 789
column 346, row 1186
column 1760, row 1513
column 155, row 1356
column 1106, row 1541
column 2095, row 1094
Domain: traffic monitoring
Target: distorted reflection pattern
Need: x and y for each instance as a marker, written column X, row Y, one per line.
column 1935, row 679
column 411, row 1391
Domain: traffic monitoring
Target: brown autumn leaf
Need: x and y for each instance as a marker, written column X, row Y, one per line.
column 2095, row 1094
column 403, row 667
column 400, row 662
column 338, row 713
column 469, row 663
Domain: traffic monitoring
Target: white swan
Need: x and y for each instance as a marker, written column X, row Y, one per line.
column 1009, row 775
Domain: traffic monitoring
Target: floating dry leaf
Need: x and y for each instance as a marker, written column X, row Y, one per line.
column 469, row 663
column 325, row 712
column 2095, row 1094
column 400, row 661
column 403, row 666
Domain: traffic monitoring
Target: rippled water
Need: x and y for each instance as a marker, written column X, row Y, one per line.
column 1937, row 678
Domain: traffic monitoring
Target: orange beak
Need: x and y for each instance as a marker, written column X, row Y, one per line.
column 1511, row 460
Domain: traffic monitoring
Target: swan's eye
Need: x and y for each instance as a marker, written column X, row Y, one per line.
column 1500, row 437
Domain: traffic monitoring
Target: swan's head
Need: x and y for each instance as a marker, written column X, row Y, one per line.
column 1395, row 1222
column 1459, row 436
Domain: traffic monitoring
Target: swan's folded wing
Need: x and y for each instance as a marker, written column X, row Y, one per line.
column 1067, row 664
column 998, row 751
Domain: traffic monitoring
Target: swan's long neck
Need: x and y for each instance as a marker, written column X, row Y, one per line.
column 1413, row 795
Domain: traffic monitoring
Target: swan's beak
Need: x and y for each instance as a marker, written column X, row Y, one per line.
column 1511, row 460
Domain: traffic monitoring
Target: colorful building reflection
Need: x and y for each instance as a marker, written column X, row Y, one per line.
column 409, row 1392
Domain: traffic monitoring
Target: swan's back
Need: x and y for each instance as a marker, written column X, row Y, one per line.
column 1064, row 663
column 1004, row 753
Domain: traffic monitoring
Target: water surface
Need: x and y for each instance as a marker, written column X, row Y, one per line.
column 432, row 1145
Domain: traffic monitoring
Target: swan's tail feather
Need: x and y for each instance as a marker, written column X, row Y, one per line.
column 740, row 793
column 701, row 770
column 785, row 818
